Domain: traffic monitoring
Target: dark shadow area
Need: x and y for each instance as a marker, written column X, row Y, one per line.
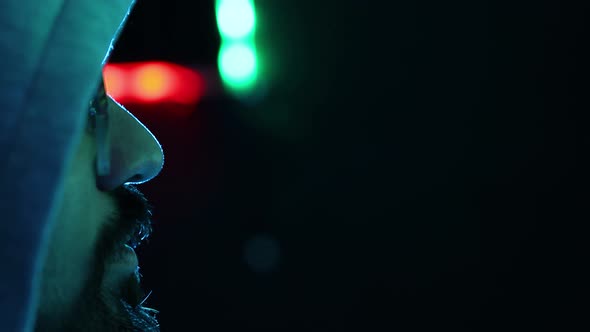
column 412, row 167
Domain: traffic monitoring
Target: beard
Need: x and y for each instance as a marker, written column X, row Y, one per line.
column 95, row 310
column 99, row 309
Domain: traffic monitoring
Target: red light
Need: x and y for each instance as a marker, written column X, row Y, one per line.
column 153, row 82
column 114, row 80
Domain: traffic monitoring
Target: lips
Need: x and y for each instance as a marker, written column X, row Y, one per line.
column 121, row 264
column 124, row 255
column 120, row 269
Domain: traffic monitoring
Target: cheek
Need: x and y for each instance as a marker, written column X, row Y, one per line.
column 82, row 212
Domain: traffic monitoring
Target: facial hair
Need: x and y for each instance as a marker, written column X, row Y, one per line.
column 95, row 309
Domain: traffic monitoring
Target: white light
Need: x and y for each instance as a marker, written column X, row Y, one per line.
column 235, row 18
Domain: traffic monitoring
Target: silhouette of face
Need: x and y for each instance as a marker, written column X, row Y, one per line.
column 90, row 279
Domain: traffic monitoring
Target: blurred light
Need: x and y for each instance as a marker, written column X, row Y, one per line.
column 153, row 82
column 238, row 64
column 262, row 253
column 235, row 18
column 115, row 80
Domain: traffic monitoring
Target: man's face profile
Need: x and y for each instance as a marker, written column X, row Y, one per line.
column 90, row 279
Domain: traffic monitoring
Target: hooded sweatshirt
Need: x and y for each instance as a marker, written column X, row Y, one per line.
column 51, row 55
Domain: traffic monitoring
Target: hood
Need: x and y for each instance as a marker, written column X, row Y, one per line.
column 51, row 54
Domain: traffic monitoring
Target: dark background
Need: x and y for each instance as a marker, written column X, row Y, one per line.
column 413, row 165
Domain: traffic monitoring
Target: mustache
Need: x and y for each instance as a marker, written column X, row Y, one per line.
column 134, row 224
column 130, row 224
column 135, row 214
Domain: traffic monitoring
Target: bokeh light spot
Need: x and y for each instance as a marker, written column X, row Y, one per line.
column 238, row 64
column 152, row 82
column 236, row 18
column 115, row 81
column 262, row 253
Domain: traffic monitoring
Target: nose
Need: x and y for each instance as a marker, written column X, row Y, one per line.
column 136, row 155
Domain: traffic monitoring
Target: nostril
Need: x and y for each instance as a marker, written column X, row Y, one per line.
column 136, row 178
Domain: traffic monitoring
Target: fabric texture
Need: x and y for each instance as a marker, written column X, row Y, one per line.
column 51, row 55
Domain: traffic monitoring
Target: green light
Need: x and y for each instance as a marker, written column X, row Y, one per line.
column 235, row 18
column 237, row 60
column 238, row 65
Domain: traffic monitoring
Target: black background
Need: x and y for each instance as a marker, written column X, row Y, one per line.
column 411, row 166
